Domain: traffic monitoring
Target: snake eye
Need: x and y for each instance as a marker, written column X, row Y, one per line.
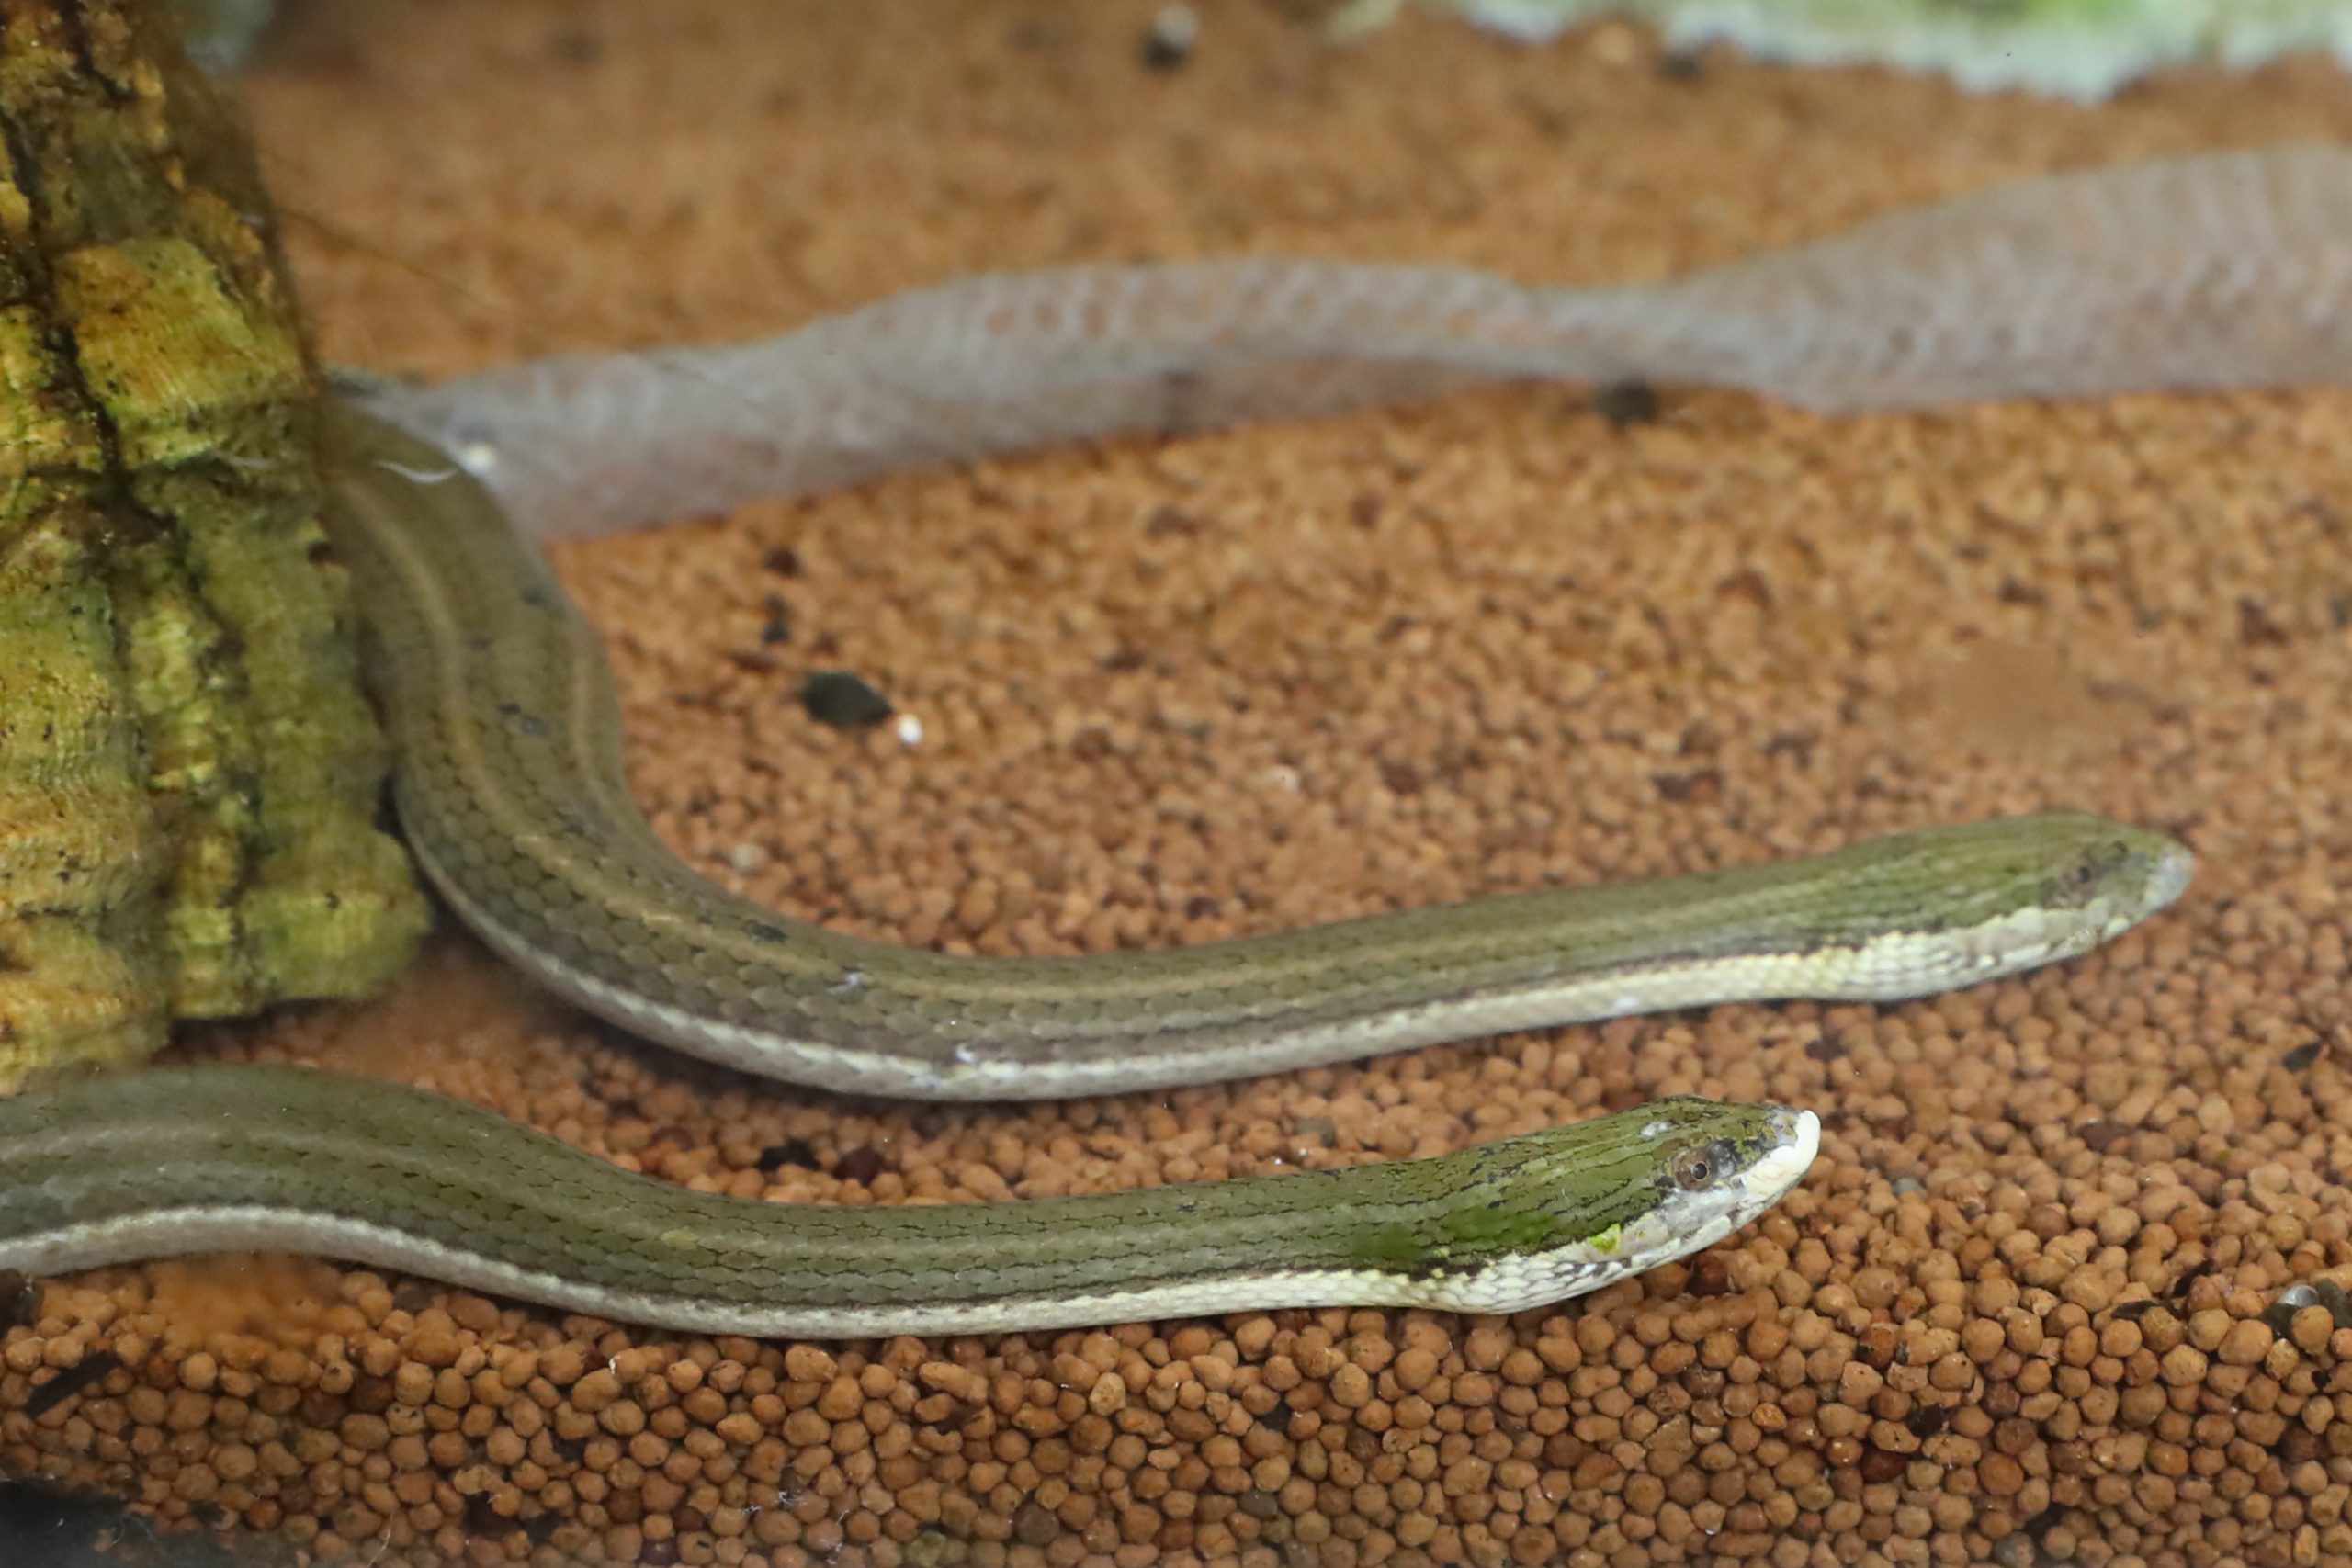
column 2081, row 876
column 1693, row 1169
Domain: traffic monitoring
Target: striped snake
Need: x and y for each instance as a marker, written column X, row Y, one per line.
column 2220, row 270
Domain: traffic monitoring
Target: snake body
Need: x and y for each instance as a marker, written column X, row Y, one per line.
column 183, row 1159
column 510, row 793
column 509, row 787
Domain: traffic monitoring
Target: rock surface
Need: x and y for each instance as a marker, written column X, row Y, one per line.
column 188, row 774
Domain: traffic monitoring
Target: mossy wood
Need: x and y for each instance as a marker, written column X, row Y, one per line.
column 189, row 776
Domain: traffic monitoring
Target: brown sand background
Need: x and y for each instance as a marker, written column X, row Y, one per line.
column 1173, row 691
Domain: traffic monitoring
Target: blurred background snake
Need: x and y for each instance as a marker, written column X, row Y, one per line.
column 2220, row 270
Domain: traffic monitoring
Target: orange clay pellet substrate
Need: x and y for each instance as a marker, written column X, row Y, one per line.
column 2066, row 1284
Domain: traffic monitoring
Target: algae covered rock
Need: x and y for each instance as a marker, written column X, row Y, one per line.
column 189, row 775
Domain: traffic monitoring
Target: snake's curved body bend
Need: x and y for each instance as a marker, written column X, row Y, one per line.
column 509, row 785
column 510, row 791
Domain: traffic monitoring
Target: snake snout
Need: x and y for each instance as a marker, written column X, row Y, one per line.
column 1796, row 1140
column 2160, row 869
column 2174, row 866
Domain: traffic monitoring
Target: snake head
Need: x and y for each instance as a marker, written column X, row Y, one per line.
column 2109, row 874
column 1925, row 911
column 1559, row 1213
column 2055, row 886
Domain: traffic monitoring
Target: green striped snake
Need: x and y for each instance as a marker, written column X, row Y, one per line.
column 509, row 789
